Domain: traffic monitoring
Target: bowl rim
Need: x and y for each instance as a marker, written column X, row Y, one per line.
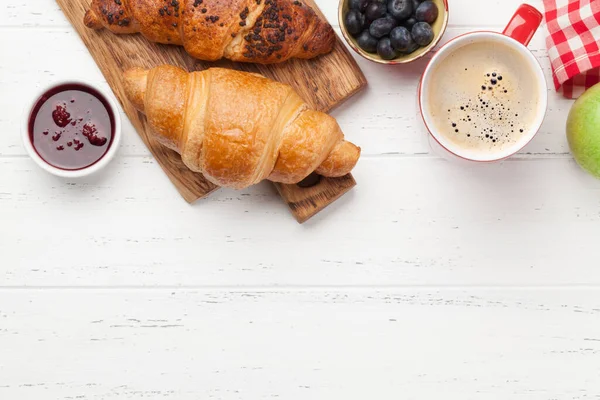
column 64, row 173
column 378, row 60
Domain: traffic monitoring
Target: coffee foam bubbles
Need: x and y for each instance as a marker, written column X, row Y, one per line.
column 483, row 97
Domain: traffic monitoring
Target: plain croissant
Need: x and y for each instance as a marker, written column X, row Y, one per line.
column 239, row 128
column 259, row 31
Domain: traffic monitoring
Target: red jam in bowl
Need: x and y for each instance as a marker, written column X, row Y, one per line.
column 71, row 127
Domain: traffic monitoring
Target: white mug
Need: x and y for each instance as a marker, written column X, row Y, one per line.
column 517, row 35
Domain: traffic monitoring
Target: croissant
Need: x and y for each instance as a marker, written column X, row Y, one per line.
column 259, row 31
column 239, row 128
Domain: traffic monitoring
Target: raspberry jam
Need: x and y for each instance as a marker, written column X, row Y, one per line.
column 71, row 127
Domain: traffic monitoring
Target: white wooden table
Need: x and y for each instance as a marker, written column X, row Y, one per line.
column 429, row 280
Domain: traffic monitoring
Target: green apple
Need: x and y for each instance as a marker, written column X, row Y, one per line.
column 583, row 130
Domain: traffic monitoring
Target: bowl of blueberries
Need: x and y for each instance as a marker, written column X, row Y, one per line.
column 393, row 31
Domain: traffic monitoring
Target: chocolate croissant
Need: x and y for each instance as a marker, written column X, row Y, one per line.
column 259, row 31
column 239, row 128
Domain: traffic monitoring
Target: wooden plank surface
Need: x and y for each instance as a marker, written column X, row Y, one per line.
column 324, row 83
column 306, row 203
column 438, row 224
column 428, row 279
column 296, row 344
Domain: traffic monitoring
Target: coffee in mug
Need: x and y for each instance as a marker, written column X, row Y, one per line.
column 484, row 97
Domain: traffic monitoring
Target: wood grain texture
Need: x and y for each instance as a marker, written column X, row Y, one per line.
column 307, row 202
column 324, row 83
column 438, row 224
column 408, row 344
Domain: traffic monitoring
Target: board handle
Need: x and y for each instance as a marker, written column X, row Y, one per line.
column 314, row 194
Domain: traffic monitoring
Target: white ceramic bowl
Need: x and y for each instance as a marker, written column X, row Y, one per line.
column 100, row 164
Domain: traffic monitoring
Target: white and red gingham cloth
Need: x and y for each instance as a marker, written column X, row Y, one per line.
column 573, row 44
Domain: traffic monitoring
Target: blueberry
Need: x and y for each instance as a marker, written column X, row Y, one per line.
column 401, row 39
column 413, row 48
column 422, row 33
column 409, row 23
column 375, row 10
column 359, row 5
column 385, row 49
column 355, row 22
column 382, row 27
column 427, row 12
column 367, row 42
column 416, row 4
column 400, row 9
column 394, row 20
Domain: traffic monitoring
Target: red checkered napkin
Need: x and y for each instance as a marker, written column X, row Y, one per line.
column 574, row 33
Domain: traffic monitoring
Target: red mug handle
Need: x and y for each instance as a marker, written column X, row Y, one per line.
column 524, row 24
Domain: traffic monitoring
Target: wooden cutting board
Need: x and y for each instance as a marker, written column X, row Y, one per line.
column 324, row 82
